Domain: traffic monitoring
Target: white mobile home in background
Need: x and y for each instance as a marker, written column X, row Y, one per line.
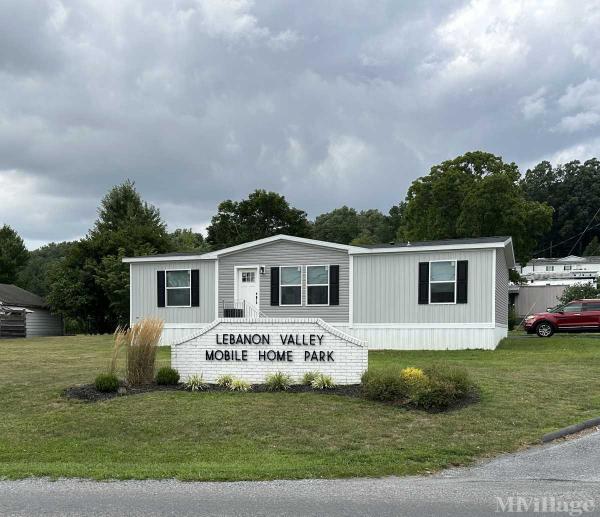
column 449, row 294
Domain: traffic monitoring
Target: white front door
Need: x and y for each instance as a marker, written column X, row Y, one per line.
column 247, row 286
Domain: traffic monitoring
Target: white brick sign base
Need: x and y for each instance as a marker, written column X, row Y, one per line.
column 252, row 349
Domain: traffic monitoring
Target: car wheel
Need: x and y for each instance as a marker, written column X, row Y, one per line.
column 544, row 329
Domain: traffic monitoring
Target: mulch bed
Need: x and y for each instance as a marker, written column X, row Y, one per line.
column 89, row 393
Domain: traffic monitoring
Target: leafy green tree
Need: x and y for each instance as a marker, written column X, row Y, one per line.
column 578, row 292
column 374, row 228
column 35, row 276
column 347, row 226
column 341, row 225
column 263, row 214
column 13, row 255
column 91, row 284
column 474, row 195
column 186, row 240
column 593, row 248
column 573, row 190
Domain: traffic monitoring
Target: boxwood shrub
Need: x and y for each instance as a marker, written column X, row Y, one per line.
column 107, row 383
column 167, row 376
column 446, row 386
column 386, row 385
column 437, row 387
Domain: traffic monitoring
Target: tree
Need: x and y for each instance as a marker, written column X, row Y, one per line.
column 573, row 190
column 186, row 240
column 91, row 284
column 374, row 228
column 340, row 225
column 13, row 255
column 578, row 292
column 263, row 214
column 593, row 248
column 347, row 226
column 35, row 276
column 475, row 195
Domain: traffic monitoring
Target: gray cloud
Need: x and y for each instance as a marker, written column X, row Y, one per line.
column 330, row 103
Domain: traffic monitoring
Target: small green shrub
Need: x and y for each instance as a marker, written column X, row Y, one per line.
column 445, row 387
column 195, row 383
column 167, row 376
column 225, row 381
column 278, row 381
column 385, row 385
column 309, row 377
column 322, row 382
column 240, row 385
column 107, row 383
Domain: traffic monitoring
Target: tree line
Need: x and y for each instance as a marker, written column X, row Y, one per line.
column 474, row 195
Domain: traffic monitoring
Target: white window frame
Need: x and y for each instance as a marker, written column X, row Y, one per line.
column 443, row 281
column 568, row 268
column 167, row 288
column 317, row 285
column 290, row 285
column 549, row 268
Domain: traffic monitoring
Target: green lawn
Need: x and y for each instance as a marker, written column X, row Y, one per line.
column 529, row 387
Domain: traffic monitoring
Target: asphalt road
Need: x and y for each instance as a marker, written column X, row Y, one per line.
column 560, row 476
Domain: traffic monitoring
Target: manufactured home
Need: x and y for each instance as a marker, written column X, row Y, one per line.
column 438, row 295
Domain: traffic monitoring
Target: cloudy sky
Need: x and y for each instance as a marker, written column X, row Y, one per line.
column 328, row 102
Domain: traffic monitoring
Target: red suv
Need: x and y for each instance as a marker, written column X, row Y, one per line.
column 578, row 315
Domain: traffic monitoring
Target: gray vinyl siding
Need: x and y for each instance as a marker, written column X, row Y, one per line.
column 144, row 293
column 41, row 323
column 501, row 288
column 386, row 288
column 537, row 298
column 286, row 253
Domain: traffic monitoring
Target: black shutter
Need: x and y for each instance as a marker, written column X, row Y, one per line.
column 160, row 288
column 462, row 275
column 423, row 283
column 195, row 287
column 274, row 286
column 334, row 285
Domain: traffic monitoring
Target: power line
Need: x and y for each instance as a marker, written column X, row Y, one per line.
column 586, row 228
column 553, row 245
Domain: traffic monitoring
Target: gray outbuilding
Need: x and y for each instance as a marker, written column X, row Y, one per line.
column 36, row 316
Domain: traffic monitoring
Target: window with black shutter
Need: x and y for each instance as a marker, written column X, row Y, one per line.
column 423, row 283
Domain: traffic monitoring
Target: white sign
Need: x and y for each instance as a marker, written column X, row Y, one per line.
column 253, row 349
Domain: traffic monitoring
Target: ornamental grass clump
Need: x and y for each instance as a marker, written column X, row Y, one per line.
column 140, row 342
column 278, row 381
column 309, row 377
column 322, row 382
column 195, row 383
column 225, row 381
column 240, row 385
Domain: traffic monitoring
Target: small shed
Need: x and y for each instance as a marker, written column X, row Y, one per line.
column 25, row 314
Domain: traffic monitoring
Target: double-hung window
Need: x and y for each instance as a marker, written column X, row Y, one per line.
column 442, row 281
column 290, row 286
column 317, row 285
column 178, row 288
column 549, row 268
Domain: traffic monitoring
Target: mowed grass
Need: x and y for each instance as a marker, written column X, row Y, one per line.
column 528, row 387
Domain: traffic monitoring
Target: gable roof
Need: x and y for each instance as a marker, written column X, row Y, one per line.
column 13, row 295
column 240, row 247
column 441, row 245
